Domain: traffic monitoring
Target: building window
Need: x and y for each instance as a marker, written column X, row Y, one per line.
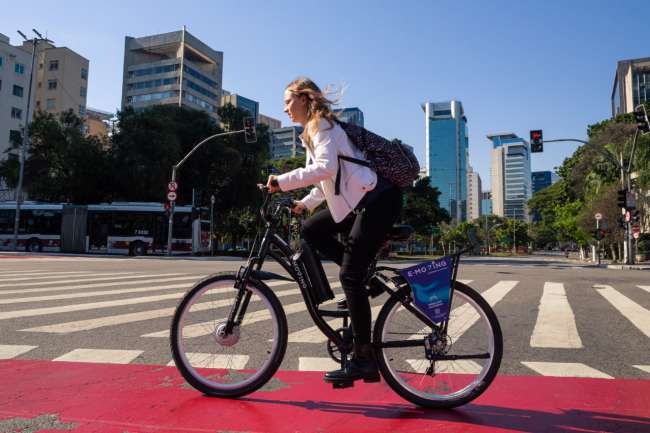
column 82, row 92
column 82, row 110
column 0, row 60
column 20, row 68
column 16, row 113
column 18, row 91
column 54, row 65
column 0, row 84
column 15, row 137
column 40, row 66
column 84, row 73
column 51, row 84
column 38, row 104
column 51, row 103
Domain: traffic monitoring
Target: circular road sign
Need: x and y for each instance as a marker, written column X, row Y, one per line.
column 628, row 216
column 171, row 196
column 598, row 216
column 172, row 186
column 636, row 235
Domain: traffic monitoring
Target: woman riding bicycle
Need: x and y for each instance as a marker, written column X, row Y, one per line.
column 363, row 211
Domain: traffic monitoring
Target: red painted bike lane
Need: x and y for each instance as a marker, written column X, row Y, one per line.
column 45, row 396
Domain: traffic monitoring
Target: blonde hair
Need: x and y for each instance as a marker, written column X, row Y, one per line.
column 318, row 105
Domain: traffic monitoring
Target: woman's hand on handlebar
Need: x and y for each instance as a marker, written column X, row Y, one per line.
column 298, row 207
column 272, row 184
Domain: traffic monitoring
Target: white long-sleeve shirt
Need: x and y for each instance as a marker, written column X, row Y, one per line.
column 320, row 170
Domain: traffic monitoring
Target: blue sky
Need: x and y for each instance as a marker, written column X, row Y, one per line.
column 515, row 65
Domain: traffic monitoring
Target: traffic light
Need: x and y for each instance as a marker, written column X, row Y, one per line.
column 599, row 234
column 536, row 141
column 622, row 198
column 642, row 123
column 249, row 130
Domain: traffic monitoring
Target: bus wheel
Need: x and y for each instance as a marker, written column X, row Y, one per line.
column 34, row 246
column 138, row 249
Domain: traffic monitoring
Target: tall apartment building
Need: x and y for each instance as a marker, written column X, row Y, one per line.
column 511, row 178
column 171, row 68
column 253, row 107
column 486, row 203
column 447, row 154
column 269, row 121
column 15, row 67
column 631, row 85
column 61, row 79
column 473, row 194
column 350, row 115
column 285, row 142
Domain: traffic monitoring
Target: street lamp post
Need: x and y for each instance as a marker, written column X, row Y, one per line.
column 25, row 134
column 212, row 225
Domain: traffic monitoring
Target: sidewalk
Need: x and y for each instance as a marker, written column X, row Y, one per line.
column 85, row 397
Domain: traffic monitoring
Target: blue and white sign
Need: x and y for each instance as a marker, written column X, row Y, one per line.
column 431, row 286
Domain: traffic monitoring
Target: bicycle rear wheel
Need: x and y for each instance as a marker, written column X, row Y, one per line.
column 473, row 333
column 228, row 365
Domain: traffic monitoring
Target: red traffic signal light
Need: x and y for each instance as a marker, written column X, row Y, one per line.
column 536, row 141
column 249, row 130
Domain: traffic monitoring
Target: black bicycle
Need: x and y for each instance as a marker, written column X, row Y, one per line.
column 229, row 332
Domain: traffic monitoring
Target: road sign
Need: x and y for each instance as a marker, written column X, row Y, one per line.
column 628, row 217
column 171, row 196
column 598, row 216
column 172, row 186
column 635, row 235
column 636, row 229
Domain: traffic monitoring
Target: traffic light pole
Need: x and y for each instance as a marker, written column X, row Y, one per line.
column 174, row 170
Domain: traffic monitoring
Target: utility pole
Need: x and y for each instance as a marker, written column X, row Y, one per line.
column 25, row 134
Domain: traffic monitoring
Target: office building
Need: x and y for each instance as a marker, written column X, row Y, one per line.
column 631, row 85
column 252, row 107
column 15, row 67
column 285, row 143
column 171, row 68
column 511, row 178
column 350, row 115
column 486, row 203
column 447, row 155
column 542, row 179
column 473, row 194
column 269, row 121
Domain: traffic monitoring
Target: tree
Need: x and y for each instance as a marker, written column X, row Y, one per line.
column 422, row 209
column 62, row 165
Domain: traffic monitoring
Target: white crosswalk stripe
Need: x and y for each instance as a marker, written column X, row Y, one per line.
column 135, row 280
column 556, row 324
column 632, row 311
column 646, row 288
column 32, row 274
column 313, row 334
column 645, row 368
column 310, row 363
column 120, row 319
column 565, row 369
column 212, row 360
column 100, row 355
column 52, row 278
column 8, row 351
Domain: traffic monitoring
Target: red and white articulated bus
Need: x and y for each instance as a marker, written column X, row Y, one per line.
column 115, row 228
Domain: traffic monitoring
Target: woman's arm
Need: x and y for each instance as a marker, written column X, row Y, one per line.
column 323, row 165
column 313, row 199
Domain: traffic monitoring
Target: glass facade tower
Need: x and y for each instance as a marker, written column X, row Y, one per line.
column 447, row 146
column 511, row 176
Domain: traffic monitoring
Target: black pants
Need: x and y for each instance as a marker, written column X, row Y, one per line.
column 364, row 235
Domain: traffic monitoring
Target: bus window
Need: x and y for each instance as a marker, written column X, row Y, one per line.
column 45, row 222
column 182, row 226
column 7, row 221
column 142, row 224
column 98, row 228
column 121, row 225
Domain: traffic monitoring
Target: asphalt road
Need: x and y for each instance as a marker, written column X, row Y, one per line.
column 557, row 317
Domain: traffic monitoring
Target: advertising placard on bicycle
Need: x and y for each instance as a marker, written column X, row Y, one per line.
column 431, row 285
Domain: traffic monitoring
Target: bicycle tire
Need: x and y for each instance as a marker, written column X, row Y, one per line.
column 391, row 375
column 192, row 375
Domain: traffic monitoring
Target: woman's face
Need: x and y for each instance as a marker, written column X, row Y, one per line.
column 296, row 107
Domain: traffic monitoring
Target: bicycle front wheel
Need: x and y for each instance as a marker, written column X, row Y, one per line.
column 472, row 348
column 240, row 362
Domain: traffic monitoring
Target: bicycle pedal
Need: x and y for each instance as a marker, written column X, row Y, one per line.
column 341, row 385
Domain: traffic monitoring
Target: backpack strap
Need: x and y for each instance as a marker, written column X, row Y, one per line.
column 337, row 183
